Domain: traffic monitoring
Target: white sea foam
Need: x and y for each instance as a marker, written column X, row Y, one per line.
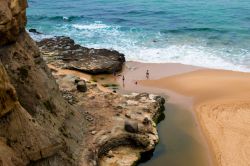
column 111, row 37
column 191, row 55
column 65, row 18
column 94, row 26
column 137, row 47
column 39, row 37
column 184, row 54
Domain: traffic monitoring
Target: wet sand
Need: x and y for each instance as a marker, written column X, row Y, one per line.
column 181, row 140
column 207, row 112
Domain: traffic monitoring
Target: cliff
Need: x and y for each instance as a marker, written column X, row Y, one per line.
column 43, row 123
column 32, row 110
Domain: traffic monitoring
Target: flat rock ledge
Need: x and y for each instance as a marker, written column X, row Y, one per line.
column 62, row 52
column 120, row 127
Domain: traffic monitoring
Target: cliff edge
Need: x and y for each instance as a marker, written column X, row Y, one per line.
column 32, row 109
column 73, row 123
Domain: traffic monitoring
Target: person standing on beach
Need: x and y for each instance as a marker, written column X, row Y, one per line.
column 123, row 80
column 147, row 74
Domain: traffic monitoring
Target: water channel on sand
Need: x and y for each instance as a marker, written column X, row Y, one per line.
column 180, row 142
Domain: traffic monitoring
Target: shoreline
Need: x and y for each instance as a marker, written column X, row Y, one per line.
column 157, row 84
column 137, row 70
column 53, row 112
column 226, row 90
column 179, row 82
column 121, row 134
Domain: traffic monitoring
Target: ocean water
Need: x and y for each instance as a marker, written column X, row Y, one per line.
column 208, row 33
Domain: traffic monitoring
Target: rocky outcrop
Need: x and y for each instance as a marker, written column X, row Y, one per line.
column 39, row 127
column 12, row 19
column 21, row 136
column 64, row 53
column 35, row 31
column 114, row 120
column 37, row 124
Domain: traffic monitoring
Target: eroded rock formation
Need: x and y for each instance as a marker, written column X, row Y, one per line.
column 64, row 53
column 113, row 120
column 37, row 124
column 34, row 117
column 12, row 19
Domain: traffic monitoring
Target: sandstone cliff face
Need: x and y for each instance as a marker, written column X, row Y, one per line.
column 36, row 124
column 12, row 19
column 39, row 127
column 8, row 98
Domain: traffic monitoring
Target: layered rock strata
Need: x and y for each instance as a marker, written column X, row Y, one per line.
column 64, row 53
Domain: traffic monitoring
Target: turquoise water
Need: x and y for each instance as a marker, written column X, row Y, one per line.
column 209, row 33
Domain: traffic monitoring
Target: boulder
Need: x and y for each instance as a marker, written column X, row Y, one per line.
column 131, row 126
column 64, row 53
column 32, row 30
column 146, row 121
column 81, row 86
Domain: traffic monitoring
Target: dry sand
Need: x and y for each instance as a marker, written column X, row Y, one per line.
column 222, row 105
column 221, row 100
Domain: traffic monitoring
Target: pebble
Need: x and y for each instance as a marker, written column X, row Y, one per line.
column 93, row 132
column 127, row 115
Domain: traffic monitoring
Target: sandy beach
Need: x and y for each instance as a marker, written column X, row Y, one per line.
column 222, row 105
column 219, row 100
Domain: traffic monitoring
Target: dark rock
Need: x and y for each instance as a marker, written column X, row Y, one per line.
column 131, row 126
column 77, row 80
column 34, row 31
column 146, row 121
column 66, row 54
column 141, row 95
column 81, row 86
column 160, row 100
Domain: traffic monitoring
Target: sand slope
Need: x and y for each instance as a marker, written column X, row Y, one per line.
column 222, row 103
column 227, row 126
